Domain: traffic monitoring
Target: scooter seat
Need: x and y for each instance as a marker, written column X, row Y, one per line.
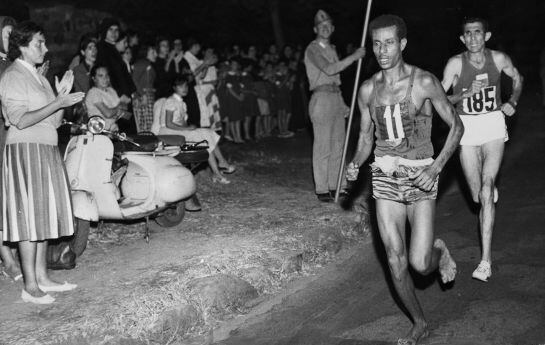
column 196, row 155
column 172, row 140
column 148, row 143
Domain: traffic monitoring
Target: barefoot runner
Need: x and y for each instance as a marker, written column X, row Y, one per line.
column 396, row 104
column 474, row 76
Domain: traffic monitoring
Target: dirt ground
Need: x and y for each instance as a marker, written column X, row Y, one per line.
column 318, row 276
column 266, row 227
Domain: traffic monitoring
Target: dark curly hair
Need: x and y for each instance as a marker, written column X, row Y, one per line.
column 95, row 68
column 85, row 40
column 179, row 81
column 21, row 36
column 386, row 21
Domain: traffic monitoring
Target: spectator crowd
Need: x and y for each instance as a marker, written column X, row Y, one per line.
column 241, row 94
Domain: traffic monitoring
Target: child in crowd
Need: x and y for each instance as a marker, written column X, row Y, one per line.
column 234, row 98
column 270, row 79
column 284, row 84
column 261, row 89
column 223, row 68
column 249, row 104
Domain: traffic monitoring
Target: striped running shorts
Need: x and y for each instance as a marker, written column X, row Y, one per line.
column 397, row 185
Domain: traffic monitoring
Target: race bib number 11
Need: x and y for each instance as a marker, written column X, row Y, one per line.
column 394, row 123
column 481, row 102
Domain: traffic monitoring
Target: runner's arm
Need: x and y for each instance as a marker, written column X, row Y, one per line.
column 365, row 141
column 451, row 73
column 505, row 65
column 432, row 89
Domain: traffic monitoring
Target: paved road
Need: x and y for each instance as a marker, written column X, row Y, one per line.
column 351, row 302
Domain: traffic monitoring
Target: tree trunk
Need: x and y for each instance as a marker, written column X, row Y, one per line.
column 274, row 7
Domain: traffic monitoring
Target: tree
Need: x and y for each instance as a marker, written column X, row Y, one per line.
column 274, row 7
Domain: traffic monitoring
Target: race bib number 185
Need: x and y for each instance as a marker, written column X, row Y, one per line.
column 481, row 102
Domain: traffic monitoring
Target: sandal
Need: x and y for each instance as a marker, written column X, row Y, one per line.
column 228, row 169
column 15, row 276
column 220, row 179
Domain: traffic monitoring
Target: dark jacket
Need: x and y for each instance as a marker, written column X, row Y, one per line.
column 119, row 75
column 143, row 75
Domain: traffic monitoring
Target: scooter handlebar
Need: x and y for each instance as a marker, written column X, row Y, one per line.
column 118, row 135
column 121, row 136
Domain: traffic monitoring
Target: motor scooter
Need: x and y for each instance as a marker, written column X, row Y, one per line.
column 141, row 185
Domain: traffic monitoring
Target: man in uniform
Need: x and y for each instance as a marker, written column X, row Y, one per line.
column 396, row 104
column 326, row 108
column 474, row 76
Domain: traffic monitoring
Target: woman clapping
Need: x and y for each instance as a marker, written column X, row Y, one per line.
column 36, row 197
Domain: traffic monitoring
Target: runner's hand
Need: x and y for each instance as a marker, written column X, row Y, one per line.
column 352, row 171
column 476, row 87
column 425, row 178
column 508, row 109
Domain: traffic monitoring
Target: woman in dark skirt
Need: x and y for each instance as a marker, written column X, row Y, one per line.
column 36, row 198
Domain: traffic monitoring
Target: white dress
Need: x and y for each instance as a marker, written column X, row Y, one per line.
column 176, row 104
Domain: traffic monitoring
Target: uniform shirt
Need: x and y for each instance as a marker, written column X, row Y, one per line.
column 488, row 98
column 320, row 72
column 401, row 129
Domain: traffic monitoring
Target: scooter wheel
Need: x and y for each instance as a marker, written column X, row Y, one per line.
column 172, row 216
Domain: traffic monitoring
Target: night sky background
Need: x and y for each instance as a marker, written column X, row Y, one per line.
column 433, row 25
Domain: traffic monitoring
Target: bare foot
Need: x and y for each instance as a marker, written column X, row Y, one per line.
column 418, row 332
column 447, row 266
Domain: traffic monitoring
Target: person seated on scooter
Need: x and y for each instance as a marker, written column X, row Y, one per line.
column 102, row 99
column 173, row 120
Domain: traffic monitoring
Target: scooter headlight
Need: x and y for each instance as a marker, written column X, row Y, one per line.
column 96, row 124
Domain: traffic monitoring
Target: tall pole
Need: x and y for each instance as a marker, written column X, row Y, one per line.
column 353, row 103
